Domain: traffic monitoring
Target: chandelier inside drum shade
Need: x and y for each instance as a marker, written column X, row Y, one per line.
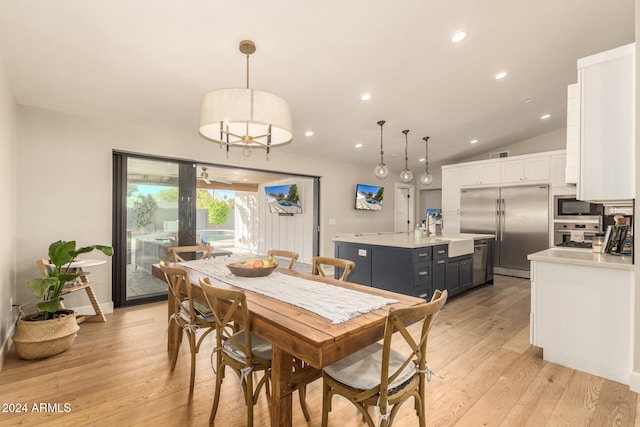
column 245, row 118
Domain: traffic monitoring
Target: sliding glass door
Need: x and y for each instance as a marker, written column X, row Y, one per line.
column 152, row 204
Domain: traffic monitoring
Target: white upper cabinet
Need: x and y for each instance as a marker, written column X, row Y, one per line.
column 481, row 173
column 451, row 189
column 525, row 170
column 558, row 169
column 451, row 199
column 572, row 168
column 607, row 125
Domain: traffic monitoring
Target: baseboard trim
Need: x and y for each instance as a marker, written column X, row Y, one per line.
column 88, row 309
column 634, row 382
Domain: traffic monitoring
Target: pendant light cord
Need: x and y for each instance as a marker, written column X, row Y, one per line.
column 381, row 123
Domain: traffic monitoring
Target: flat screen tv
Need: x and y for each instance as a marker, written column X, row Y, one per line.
column 283, row 199
column 369, row 197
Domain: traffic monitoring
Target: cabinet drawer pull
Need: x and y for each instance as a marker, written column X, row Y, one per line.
column 422, row 296
column 422, row 273
column 421, row 254
column 442, row 251
column 441, row 261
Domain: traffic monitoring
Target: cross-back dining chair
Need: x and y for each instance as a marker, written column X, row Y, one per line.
column 317, row 262
column 381, row 376
column 242, row 351
column 188, row 319
column 291, row 256
column 176, row 251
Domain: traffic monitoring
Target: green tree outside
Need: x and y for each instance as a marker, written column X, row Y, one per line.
column 167, row 194
column 143, row 211
column 218, row 212
column 203, row 199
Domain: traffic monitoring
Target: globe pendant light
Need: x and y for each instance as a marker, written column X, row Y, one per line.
column 406, row 175
column 382, row 170
column 426, row 177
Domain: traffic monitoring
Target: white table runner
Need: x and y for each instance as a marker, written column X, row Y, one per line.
column 331, row 302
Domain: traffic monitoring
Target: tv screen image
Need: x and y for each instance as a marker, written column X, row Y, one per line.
column 369, row 197
column 283, row 199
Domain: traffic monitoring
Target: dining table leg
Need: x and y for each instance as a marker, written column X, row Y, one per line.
column 281, row 394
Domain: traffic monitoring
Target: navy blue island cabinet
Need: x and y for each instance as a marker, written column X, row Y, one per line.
column 409, row 271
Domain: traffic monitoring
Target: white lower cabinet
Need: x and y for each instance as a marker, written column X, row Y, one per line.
column 582, row 317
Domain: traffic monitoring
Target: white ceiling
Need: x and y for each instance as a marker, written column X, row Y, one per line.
column 148, row 62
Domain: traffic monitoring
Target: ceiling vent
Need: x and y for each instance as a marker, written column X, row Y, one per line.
column 499, row 154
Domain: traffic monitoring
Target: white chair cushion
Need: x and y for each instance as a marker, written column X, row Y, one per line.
column 260, row 347
column 361, row 370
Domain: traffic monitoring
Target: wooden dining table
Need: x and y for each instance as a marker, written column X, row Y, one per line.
column 298, row 333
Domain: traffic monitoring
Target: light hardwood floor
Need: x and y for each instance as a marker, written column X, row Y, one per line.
column 117, row 373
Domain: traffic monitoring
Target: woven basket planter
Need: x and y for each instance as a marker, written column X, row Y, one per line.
column 37, row 339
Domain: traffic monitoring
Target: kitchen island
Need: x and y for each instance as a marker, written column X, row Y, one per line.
column 415, row 264
column 582, row 310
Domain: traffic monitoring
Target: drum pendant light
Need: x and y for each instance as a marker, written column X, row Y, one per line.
column 244, row 117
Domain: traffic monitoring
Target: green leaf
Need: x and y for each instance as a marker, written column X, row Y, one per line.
column 39, row 287
column 61, row 252
column 50, row 306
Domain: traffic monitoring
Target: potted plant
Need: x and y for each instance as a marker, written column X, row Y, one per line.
column 52, row 329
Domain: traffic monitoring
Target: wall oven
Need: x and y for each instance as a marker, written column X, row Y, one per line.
column 569, row 208
column 569, row 233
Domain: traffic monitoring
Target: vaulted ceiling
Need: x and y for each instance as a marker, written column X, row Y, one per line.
column 149, row 62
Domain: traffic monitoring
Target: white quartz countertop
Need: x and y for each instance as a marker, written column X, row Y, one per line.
column 583, row 257
column 407, row 239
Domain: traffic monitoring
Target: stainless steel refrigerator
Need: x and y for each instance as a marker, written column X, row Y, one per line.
column 517, row 216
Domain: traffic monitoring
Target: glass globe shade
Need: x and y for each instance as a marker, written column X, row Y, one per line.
column 406, row 175
column 426, row 179
column 381, row 171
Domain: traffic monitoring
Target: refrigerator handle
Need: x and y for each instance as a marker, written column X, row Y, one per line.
column 502, row 226
column 497, row 236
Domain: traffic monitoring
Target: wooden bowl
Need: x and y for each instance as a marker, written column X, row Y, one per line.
column 239, row 269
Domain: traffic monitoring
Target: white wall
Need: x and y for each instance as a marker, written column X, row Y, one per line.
column 8, row 177
column 65, row 185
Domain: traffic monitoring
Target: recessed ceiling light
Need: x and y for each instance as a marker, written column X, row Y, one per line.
column 458, row 37
column 501, row 75
column 527, row 100
column 308, row 133
column 366, row 97
column 358, row 145
column 473, row 141
column 545, row 116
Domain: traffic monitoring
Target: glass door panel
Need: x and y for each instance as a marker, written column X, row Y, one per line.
column 152, row 223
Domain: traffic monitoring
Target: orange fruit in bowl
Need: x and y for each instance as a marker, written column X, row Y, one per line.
column 258, row 263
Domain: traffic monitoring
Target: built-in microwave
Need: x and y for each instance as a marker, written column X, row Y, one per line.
column 568, row 207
